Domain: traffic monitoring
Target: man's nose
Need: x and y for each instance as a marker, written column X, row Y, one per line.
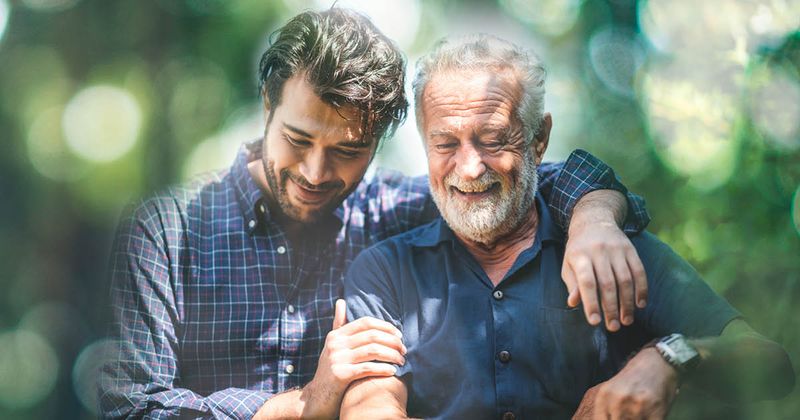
column 315, row 168
column 469, row 163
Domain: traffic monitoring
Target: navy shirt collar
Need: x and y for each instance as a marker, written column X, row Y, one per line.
column 438, row 231
column 251, row 197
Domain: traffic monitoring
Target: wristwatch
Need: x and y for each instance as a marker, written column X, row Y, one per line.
column 678, row 352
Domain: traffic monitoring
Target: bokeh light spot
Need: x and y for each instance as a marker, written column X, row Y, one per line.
column 87, row 368
column 28, row 369
column 5, row 12
column 550, row 17
column 616, row 56
column 691, row 117
column 49, row 5
column 219, row 150
column 47, row 150
column 775, row 107
column 101, row 123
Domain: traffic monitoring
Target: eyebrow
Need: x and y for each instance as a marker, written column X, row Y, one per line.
column 442, row 133
column 496, row 128
column 355, row 144
column 297, row 130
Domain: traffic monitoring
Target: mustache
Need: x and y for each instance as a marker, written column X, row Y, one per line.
column 486, row 180
column 303, row 182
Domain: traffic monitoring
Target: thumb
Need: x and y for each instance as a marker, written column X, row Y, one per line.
column 339, row 314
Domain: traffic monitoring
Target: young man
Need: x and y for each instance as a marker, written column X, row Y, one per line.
column 477, row 292
column 223, row 290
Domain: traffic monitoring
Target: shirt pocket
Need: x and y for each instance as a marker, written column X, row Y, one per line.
column 570, row 350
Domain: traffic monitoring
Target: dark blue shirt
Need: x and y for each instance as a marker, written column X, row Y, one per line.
column 479, row 351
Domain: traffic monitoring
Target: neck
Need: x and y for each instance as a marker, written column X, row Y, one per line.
column 497, row 256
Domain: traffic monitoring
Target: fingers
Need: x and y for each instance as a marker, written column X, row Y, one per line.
column 379, row 337
column 624, row 287
column 368, row 323
column 587, row 287
column 568, row 276
column 339, row 314
column 608, row 293
column 377, row 353
column 639, row 276
column 367, row 369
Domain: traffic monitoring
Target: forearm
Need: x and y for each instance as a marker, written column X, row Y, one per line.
column 599, row 206
column 375, row 398
column 287, row 405
column 742, row 366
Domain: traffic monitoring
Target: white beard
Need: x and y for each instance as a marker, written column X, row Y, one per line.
column 495, row 216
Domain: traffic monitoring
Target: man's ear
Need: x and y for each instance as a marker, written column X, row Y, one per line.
column 542, row 138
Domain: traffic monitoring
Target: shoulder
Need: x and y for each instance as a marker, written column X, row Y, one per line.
column 391, row 253
column 170, row 207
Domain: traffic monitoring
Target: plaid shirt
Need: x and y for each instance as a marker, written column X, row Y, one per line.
column 215, row 310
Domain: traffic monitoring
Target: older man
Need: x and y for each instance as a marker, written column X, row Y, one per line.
column 477, row 292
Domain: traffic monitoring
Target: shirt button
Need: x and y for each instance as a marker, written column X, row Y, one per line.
column 289, row 369
column 262, row 209
column 290, row 309
column 504, row 356
column 281, row 249
column 509, row 416
column 498, row 294
column 251, row 223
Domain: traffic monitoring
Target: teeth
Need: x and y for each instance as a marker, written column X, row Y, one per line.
column 473, row 190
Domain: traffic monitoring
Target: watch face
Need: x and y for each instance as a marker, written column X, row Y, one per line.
column 678, row 352
column 683, row 351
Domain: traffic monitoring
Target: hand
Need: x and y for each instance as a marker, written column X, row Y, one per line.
column 600, row 256
column 644, row 389
column 351, row 352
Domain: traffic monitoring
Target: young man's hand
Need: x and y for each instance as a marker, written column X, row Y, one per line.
column 352, row 351
column 600, row 260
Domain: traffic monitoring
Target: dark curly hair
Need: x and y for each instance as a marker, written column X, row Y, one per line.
column 347, row 61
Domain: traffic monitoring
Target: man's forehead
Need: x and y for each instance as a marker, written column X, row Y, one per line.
column 305, row 113
column 465, row 92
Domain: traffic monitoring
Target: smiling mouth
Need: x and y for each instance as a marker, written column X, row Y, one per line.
column 476, row 193
column 311, row 196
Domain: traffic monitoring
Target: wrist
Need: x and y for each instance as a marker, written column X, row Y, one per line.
column 581, row 219
column 600, row 206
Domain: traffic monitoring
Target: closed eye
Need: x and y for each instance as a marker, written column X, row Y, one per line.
column 296, row 142
column 443, row 147
column 348, row 153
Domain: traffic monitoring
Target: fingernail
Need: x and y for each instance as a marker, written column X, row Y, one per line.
column 613, row 325
column 626, row 320
column 405, row 350
column 594, row 319
column 642, row 303
column 398, row 334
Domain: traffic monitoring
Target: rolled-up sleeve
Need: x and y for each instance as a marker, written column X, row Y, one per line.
column 140, row 377
column 563, row 185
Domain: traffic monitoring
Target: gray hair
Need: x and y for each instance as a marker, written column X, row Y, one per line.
column 482, row 52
